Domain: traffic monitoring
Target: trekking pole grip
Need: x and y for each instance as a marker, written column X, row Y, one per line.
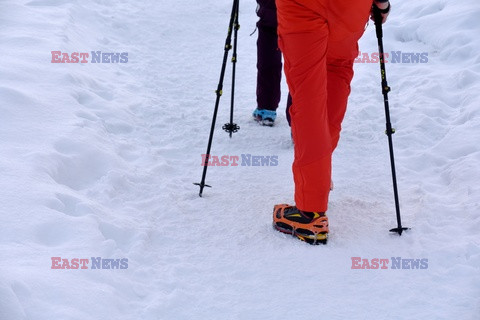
column 377, row 17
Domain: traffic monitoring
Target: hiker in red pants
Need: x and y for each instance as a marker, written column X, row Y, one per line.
column 318, row 39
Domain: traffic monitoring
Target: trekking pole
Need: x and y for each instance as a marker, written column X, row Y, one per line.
column 218, row 92
column 233, row 127
column 389, row 131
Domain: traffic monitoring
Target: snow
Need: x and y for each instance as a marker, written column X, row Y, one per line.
column 98, row 160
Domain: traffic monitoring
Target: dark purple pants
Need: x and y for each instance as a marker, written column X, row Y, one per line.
column 269, row 58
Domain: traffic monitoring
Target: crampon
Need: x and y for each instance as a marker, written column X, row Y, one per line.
column 311, row 227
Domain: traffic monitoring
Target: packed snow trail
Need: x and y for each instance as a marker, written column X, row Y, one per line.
column 98, row 160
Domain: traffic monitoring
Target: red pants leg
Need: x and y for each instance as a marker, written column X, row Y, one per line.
column 318, row 68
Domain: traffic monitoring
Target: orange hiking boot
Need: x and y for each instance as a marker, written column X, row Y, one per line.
column 311, row 227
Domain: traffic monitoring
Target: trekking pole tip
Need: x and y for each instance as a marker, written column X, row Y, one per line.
column 201, row 185
column 399, row 230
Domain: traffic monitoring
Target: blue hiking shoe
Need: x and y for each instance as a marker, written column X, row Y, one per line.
column 264, row 117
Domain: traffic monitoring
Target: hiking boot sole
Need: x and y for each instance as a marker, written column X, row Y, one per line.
column 265, row 122
column 302, row 234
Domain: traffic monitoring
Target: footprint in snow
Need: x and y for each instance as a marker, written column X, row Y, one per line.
column 78, row 165
column 121, row 236
column 55, row 233
column 69, row 205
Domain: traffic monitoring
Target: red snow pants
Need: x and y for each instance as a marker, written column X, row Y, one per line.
column 318, row 39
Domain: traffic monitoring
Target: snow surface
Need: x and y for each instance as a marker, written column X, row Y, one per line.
column 98, row 160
